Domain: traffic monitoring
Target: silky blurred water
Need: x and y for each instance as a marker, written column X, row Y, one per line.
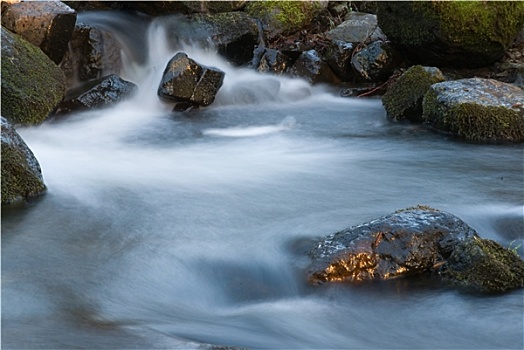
column 163, row 231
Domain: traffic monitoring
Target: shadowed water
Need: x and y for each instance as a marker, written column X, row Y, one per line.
column 163, row 231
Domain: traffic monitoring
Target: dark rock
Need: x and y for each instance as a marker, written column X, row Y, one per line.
column 452, row 33
column 414, row 241
column 82, row 6
column 185, row 80
column 361, row 89
column 46, row 24
column 21, row 174
column 484, row 110
column 358, row 28
column 98, row 93
column 32, row 85
column 376, row 62
column 403, row 243
column 403, row 99
column 270, row 61
column 93, row 54
column 338, row 57
column 311, row 67
column 158, row 8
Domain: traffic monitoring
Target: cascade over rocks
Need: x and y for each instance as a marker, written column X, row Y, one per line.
column 45, row 24
column 476, row 109
column 21, row 174
column 414, row 241
column 97, row 93
column 93, row 53
column 403, row 100
column 32, row 85
column 189, row 83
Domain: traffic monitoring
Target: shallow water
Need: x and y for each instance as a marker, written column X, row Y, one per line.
column 165, row 230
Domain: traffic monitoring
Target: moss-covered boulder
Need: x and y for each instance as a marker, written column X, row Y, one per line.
column 480, row 110
column 484, row 265
column 403, row 99
column 284, row 17
column 21, row 174
column 32, row 84
column 452, row 33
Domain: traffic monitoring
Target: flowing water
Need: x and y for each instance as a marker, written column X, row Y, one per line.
column 164, row 230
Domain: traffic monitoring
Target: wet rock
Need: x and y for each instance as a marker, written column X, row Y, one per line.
column 406, row 242
column 97, row 93
column 338, row 57
column 93, row 54
column 45, row 24
column 310, row 66
column 358, row 28
column 481, row 110
column 414, row 241
column 32, row 85
column 21, row 173
column 376, row 62
column 186, row 81
column 451, row 34
column 270, row 61
column 403, row 100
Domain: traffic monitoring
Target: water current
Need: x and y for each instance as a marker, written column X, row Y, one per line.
column 164, row 231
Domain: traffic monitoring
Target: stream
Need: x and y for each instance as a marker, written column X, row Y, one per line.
column 164, row 230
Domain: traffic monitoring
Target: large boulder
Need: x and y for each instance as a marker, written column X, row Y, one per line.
column 97, row 93
column 358, row 27
column 403, row 99
column 46, row 24
column 21, row 173
column 284, row 17
column 464, row 34
column 32, row 84
column 189, row 83
column 311, row 67
column 415, row 241
column 481, row 110
column 93, row 53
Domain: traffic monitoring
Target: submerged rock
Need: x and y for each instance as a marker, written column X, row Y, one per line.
column 476, row 109
column 45, row 24
column 190, row 83
column 414, row 241
column 21, row 173
column 32, row 84
column 97, row 93
column 403, row 100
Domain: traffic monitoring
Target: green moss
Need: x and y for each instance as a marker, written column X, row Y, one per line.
column 290, row 16
column 484, row 265
column 403, row 100
column 32, row 85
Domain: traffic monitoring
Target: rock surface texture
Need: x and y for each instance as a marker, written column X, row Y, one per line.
column 413, row 241
column 481, row 110
column 45, row 24
column 21, row 174
column 32, row 85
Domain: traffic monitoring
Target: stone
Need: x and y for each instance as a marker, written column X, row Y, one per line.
column 21, row 173
column 479, row 110
column 158, row 8
column 338, row 57
column 32, row 84
column 376, row 61
column 358, row 28
column 45, row 24
column 97, row 93
column 93, row 53
column 403, row 99
column 460, row 34
column 418, row 240
column 310, row 66
column 270, row 61
column 185, row 80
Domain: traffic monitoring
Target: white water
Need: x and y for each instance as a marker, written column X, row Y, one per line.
column 165, row 230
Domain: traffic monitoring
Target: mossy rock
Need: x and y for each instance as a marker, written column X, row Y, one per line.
column 21, row 174
column 32, row 84
column 479, row 110
column 465, row 34
column 284, row 17
column 484, row 265
column 403, row 100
